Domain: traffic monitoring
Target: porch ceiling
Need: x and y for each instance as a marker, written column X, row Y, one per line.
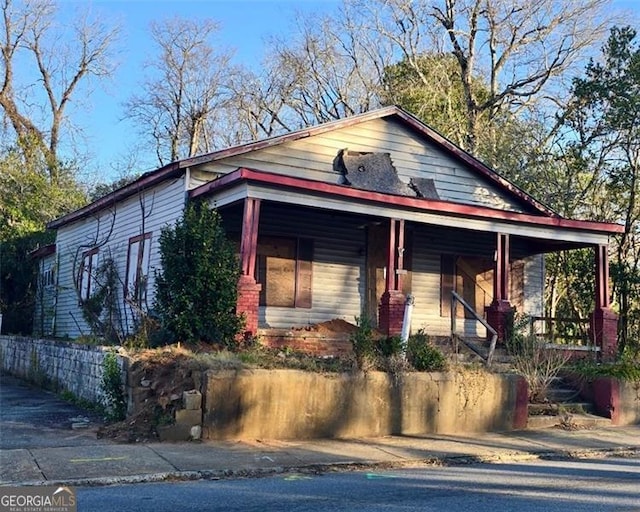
column 553, row 233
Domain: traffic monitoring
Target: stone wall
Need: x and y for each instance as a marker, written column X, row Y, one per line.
column 57, row 365
column 290, row 404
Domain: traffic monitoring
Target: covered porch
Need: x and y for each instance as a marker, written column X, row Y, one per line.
column 312, row 252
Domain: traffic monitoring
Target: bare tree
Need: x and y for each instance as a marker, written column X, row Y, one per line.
column 60, row 64
column 519, row 46
column 328, row 69
column 186, row 85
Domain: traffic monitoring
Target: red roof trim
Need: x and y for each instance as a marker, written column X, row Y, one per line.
column 409, row 120
column 406, row 118
column 43, row 251
column 143, row 182
column 427, row 205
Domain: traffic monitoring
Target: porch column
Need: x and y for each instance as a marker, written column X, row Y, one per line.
column 391, row 311
column 604, row 321
column 500, row 308
column 248, row 290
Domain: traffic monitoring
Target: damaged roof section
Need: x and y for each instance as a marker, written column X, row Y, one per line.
column 370, row 171
column 424, row 187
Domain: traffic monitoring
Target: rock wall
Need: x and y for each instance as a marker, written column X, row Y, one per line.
column 57, row 365
column 291, row 404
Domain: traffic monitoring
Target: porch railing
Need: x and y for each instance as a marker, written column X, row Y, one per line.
column 457, row 299
column 561, row 331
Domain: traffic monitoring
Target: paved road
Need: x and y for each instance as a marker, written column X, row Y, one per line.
column 601, row 485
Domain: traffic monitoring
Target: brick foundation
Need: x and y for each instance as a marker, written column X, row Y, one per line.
column 391, row 313
column 604, row 330
column 248, row 303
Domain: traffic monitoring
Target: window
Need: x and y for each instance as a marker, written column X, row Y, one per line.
column 138, row 267
column 285, row 271
column 87, row 269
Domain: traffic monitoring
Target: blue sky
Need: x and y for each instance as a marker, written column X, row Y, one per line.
column 245, row 24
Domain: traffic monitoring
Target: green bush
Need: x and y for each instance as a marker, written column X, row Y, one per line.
column 623, row 370
column 390, row 346
column 115, row 401
column 196, row 291
column 363, row 344
column 423, row 355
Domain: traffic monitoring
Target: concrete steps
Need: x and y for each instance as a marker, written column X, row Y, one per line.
column 564, row 409
column 568, row 421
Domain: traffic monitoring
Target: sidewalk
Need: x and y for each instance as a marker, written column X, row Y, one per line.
column 39, row 445
column 107, row 463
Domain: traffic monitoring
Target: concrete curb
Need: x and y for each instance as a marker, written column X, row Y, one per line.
column 219, row 474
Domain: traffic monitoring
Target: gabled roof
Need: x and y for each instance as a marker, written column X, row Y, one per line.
column 405, row 118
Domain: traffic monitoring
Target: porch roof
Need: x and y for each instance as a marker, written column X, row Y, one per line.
column 258, row 184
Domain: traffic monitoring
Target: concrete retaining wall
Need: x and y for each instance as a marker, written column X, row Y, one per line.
column 290, row 404
column 615, row 399
column 56, row 365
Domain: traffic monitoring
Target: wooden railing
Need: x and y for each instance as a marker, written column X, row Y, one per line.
column 562, row 331
column 455, row 299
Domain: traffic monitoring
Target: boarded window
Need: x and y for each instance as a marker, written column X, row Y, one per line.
column 138, row 267
column 87, row 271
column 285, row 271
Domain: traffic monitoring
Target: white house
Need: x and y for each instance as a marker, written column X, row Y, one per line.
column 332, row 221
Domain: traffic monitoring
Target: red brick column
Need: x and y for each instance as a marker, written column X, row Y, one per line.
column 391, row 313
column 604, row 332
column 497, row 317
column 248, row 303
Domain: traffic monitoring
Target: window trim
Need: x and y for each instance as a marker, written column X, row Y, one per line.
column 141, row 241
column 91, row 255
column 302, row 273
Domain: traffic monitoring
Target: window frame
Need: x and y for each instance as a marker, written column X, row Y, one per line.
column 302, row 271
column 85, row 272
column 143, row 242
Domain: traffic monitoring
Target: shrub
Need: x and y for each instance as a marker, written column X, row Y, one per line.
column 423, row 355
column 362, row 340
column 622, row 370
column 196, row 291
column 115, row 402
column 390, row 346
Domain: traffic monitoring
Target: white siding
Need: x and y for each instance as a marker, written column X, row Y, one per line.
column 428, row 245
column 338, row 267
column 112, row 229
column 338, row 272
column 534, row 285
column 312, row 158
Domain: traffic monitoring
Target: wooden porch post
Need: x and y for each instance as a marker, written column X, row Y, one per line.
column 248, row 290
column 500, row 308
column 604, row 321
column 391, row 311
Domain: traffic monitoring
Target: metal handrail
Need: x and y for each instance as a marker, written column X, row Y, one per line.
column 494, row 334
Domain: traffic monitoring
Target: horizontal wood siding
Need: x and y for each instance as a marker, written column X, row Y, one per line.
column 164, row 204
column 312, row 158
column 429, row 244
column 534, row 285
column 338, row 266
column 338, row 261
